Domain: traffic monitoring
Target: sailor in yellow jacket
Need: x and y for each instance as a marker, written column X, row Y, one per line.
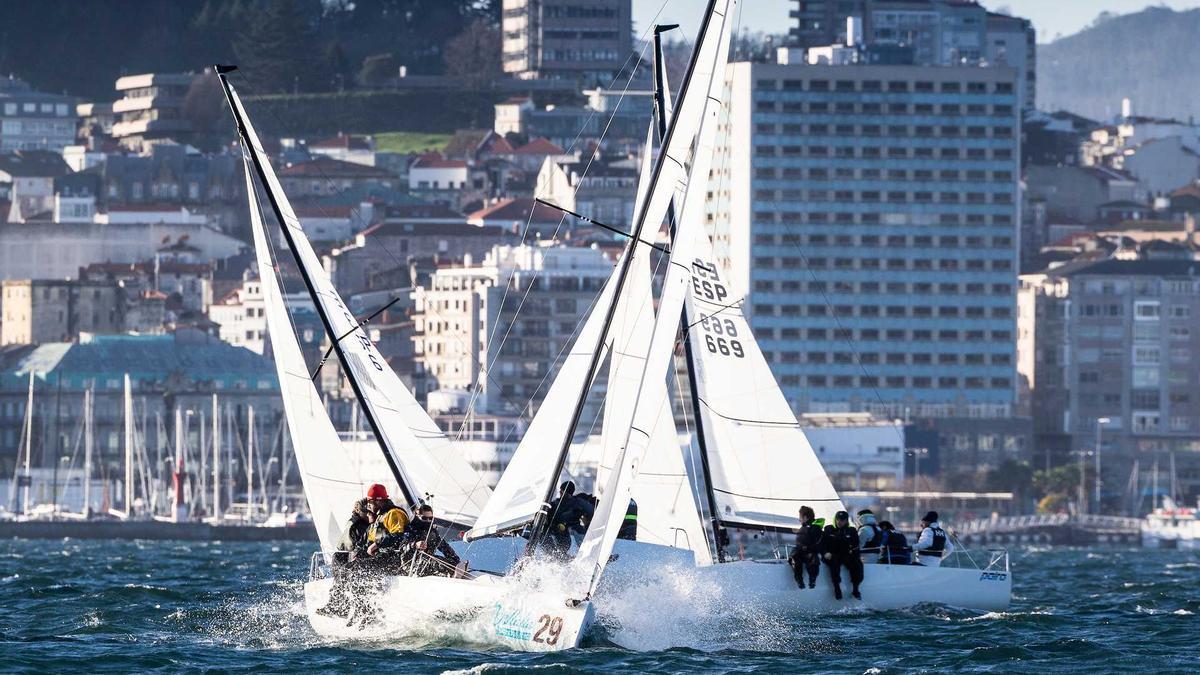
column 389, row 523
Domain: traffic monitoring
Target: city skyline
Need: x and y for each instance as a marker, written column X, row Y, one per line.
column 1052, row 20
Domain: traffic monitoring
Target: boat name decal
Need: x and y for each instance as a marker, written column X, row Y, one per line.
column 512, row 623
column 993, row 576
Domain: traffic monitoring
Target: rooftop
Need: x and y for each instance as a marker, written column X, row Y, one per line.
column 327, row 167
column 195, row 357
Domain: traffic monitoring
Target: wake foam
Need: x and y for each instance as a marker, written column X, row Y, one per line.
column 672, row 606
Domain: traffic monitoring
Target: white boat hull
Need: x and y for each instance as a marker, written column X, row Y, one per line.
column 488, row 611
column 768, row 586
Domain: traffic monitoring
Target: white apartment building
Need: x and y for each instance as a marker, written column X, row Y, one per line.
column 151, row 108
column 468, row 316
column 31, row 120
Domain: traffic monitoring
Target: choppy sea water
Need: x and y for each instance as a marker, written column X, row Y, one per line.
column 176, row 606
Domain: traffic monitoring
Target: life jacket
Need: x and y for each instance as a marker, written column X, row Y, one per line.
column 939, row 543
column 629, row 524
column 388, row 526
column 894, row 548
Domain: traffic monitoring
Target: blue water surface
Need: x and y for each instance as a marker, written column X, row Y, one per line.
column 119, row 606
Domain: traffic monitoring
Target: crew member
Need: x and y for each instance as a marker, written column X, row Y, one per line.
column 869, row 535
column 386, row 532
column 352, row 538
column 839, row 548
column 894, row 548
column 569, row 513
column 934, row 544
column 806, row 557
column 424, row 551
column 629, row 525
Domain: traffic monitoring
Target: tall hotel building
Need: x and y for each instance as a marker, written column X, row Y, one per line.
column 871, row 212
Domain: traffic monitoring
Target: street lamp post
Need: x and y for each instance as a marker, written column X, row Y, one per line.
column 1100, row 422
column 916, row 453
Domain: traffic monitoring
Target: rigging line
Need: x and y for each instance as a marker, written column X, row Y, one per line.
column 740, row 301
column 593, row 221
column 357, row 326
column 591, row 159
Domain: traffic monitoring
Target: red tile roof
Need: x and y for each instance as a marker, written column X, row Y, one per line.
column 332, row 211
column 516, row 210
column 434, row 160
column 322, row 167
column 539, row 146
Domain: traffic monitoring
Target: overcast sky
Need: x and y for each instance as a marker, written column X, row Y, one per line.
column 1050, row 17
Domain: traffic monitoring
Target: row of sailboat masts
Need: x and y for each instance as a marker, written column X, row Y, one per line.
column 145, row 478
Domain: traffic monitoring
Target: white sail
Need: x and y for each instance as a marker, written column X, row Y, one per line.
column 696, row 112
column 667, row 512
column 526, row 481
column 761, row 466
column 426, row 462
column 331, row 483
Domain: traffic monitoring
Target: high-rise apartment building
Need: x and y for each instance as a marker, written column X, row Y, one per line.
column 516, row 312
column 923, row 32
column 1110, row 348
column 823, row 22
column 871, row 213
column 583, row 40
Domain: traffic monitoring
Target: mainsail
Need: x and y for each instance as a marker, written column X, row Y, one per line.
column 331, row 482
column 423, row 460
column 696, row 113
column 761, row 466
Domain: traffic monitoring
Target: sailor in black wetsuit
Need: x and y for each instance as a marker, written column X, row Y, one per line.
column 423, row 549
column 839, row 548
column 569, row 513
column 806, row 557
column 893, row 548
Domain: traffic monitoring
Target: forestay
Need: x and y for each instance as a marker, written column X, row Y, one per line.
column 761, row 466
column 667, row 512
column 526, row 480
column 695, row 112
column 427, row 463
column 331, row 482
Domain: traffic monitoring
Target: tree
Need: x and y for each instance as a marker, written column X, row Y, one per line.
column 204, row 107
column 275, row 47
column 377, row 70
column 474, row 54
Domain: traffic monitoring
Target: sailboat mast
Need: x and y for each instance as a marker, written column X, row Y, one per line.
column 259, row 170
column 660, row 116
column 639, row 226
column 28, row 445
column 178, row 473
column 250, row 463
column 216, row 457
column 87, row 453
column 202, row 475
column 128, row 404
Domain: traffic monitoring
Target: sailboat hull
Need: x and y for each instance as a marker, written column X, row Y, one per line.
column 488, row 611
column 768, row 586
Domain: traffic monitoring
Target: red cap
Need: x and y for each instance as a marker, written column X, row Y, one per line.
column 377, row 491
